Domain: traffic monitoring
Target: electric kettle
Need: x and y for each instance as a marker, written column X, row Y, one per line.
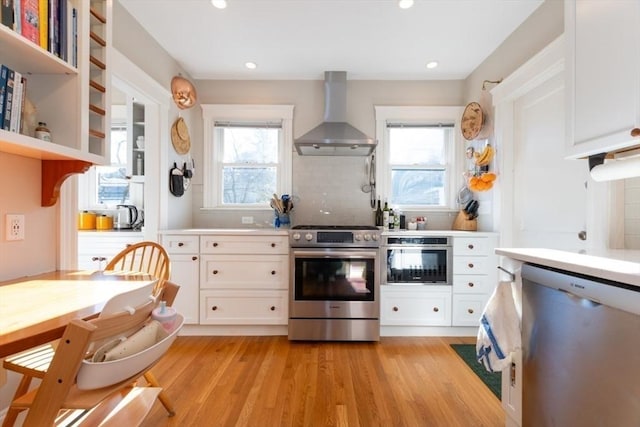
column 125, row 217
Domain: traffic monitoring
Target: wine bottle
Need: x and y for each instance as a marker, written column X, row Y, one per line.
column 392, row 220
column 385, row 216
column 379, row 215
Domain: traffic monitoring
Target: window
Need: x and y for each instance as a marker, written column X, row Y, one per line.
column 417, row 156
column 247, row 155
column 418, row 164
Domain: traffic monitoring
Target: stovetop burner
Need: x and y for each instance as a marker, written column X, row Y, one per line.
column 334, row 227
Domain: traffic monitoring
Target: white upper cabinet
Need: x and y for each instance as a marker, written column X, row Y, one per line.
column 603, row 75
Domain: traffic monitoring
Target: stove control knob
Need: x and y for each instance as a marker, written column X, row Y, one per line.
column 357, row 237
column 295, row 236
column 308, row 237
column 367, row 237
column 375, row 237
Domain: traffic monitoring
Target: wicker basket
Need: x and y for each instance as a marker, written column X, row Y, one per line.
column 463, row 223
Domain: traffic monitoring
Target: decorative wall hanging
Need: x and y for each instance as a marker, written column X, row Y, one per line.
column 472, row 121
column 180, row 136
column 183, row 92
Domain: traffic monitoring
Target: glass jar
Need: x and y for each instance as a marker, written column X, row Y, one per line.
column 42, row 132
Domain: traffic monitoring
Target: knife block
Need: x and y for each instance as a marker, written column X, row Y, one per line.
column 462, row 223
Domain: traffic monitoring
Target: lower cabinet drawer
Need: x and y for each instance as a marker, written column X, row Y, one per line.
column 467, row 309
column 248, row 307
column 416, row 309
column 473, row 284
column 254, row 271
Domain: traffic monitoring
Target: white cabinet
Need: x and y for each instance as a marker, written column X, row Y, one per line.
column 244, row 279
column 415, row 305
column 474, row 277
column 603, row 75
column 73, row 101
column 184, row 254
column 96, row 248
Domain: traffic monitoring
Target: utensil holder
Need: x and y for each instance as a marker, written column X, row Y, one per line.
column 462, row 223
column 282, row 220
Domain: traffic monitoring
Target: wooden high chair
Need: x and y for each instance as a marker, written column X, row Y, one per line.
column 109, row 395
column 34, row 363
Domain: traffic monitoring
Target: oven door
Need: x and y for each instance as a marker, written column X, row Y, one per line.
column 334, row 283
column 417, row 265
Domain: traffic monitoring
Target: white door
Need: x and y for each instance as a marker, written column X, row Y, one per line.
column 549, row 193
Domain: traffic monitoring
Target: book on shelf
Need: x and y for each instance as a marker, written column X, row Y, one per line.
column 14, row 125
column 6, row 13
column 4, row 74
column 43, row 19
column 17, row 13
column 8, row 99
column 23, row 97
column 74, row 37
column 30, row 20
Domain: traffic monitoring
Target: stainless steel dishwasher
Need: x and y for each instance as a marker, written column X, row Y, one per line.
column 581, row 350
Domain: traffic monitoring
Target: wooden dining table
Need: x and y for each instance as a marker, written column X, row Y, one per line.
column 35, row 309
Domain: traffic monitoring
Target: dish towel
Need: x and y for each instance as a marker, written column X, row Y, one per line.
column 499, row 331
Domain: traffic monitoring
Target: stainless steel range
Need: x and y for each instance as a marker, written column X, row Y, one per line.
column 335, row 284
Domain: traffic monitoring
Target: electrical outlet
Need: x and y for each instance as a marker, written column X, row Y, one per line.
column 247, row 220
column 15, row 227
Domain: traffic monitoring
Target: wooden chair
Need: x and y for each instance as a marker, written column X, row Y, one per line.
column 143, row 257
column 34, row 363
column 118, row 402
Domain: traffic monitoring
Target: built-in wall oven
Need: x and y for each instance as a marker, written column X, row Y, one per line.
column 417, row 260
column 335, row 288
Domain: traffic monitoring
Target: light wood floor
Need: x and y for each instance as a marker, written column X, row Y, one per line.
column 269, row 381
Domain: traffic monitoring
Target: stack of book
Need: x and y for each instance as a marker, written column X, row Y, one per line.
column 51, row 24
column 13, row 88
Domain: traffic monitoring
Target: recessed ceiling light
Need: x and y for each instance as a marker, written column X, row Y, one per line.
column 251, row 65
column 405, row 4
column 432, row 64
column 220, row 4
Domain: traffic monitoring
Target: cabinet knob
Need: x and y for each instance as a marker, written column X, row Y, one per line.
column 470, row 265
column 436, row 309
column 470, row 246
column 273, row 272
column 215, row 244
column 215, row 271
column 395, row 309
column 180, row 244
column 470, row 284
column 214, row 308
column 470, row 311
column 273, row 245
column 635, row 132
column 272, row 308
column 194, row 258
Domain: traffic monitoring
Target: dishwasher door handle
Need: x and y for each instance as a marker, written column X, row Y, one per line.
column 578, row 298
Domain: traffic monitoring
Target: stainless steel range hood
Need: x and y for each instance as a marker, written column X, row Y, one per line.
column 334, row 136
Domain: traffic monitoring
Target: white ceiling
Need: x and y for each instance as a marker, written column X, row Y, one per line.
column 300, row 39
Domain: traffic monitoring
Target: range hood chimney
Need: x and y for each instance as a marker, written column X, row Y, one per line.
column 334, row 136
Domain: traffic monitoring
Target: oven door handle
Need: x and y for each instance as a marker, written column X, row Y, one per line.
column 335, row 253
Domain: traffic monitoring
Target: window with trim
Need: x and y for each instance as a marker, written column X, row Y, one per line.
column 418, row 156
column 247, row 155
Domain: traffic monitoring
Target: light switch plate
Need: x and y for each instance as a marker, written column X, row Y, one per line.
column 14, row 227
column 247, row 220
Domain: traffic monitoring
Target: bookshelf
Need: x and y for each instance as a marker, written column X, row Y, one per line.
column 73, row 101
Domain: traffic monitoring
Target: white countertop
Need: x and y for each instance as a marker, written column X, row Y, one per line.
column 617, row 265
column 230, row 231
column 285, row 231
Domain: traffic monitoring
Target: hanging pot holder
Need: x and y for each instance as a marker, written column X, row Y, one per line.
column 176, row 181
